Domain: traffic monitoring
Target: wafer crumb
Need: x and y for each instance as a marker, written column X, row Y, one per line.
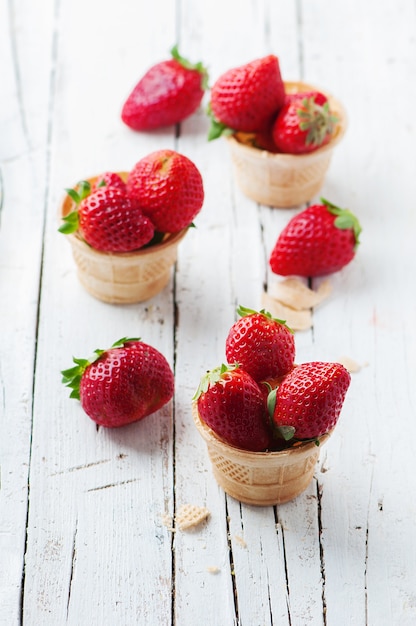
column 291, row 300
column 190, row 516
column 240, row 541
column 294, row 293
column 213, row 570
column 167, row 521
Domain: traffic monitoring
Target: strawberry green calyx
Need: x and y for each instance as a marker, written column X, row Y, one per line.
column 71, row 221
column 282, row 432
column 243, row 311
column 217, row 128
column 199, row 67
column 72, row 377
column 345, row 219
column 211, row 378
column 317, row 120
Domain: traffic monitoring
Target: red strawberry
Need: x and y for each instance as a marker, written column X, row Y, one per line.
column 168, row 93
column 304, row 124
column 109, row 179
column 319, row 240
column 262, row 345
column 247, row 98
column 121, row 385
column 107, row 219
column 308, row 402
column 168, row 188
column 232, row 404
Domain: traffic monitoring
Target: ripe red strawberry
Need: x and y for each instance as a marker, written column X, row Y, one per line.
column 304, row 124
column 319, row 240
column 262, row 345
column 309, row 400
column 109, row 179
column 121, row 385
column 246, row 98
column 232, row 404
column 107, row 219
column 168, row 188
column 168, row 93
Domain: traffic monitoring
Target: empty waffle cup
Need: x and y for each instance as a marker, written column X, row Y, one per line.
column 125, row 277
column 260, row 478
column 285, row 180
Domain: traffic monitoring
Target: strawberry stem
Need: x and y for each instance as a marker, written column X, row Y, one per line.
column 316, row 119
column 243, row 311
column 199, row 67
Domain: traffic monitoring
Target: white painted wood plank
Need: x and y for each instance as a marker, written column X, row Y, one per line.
column 95, row 535
column 23, row 163
column 363, row 458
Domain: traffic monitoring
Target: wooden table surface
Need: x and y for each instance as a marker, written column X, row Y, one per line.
column 83, row 534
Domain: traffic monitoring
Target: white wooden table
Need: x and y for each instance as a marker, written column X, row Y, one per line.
column 82, row 533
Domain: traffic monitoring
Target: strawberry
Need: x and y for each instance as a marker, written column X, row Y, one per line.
column 319, row 240
column 109, row 179
column 123, row 384
column 304, row 124
column 232, row 404
column 308, row 402
column 262, row 345
column 246, row 98
column 168, row 93
column 168, row 188
column 107, row 219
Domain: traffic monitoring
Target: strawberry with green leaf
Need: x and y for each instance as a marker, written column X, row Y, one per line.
column 122, row 384
column 304, row 123
column 321, row 239
column 308, row 402
column 107, row 218
column 168, row 93
column 246, row 98
column 232, row 404
column 262, row 345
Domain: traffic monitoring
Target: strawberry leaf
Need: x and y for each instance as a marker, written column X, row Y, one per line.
column 72, row 377
column 70, row 223
column 243, row 311
column 271, row 401
column 211, row 378
column 286, row 432
column 199, row 67
column 345, row 219
column 74, row 195
column 123, row 340
column 217, row 128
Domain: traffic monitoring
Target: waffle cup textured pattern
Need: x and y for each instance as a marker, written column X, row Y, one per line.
column 285, row 180
column 260, row 478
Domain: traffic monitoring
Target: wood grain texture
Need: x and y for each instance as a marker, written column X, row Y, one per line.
column 87, row 516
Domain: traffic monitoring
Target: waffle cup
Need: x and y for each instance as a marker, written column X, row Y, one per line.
column 125, row 277
column 260, row 478
column 284, row 180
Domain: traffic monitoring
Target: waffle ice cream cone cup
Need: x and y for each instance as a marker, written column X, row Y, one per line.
column 285, row 180
column 260, row 478
column 123, row 278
